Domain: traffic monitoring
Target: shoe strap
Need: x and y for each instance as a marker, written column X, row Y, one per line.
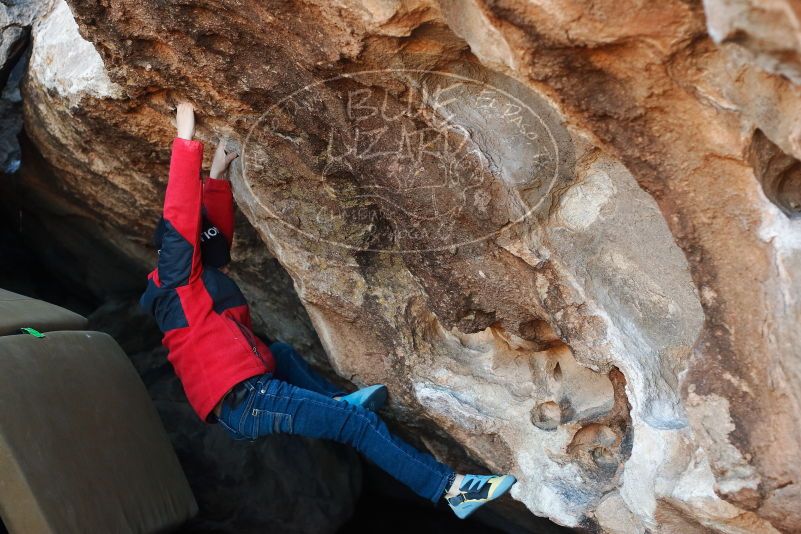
column 457, row 500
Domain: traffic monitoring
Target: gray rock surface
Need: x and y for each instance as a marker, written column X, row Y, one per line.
column 16, row 18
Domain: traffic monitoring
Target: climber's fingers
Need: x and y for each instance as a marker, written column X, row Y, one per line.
column 222, row 159
column 224, row 154
column 185, row 120
column 220, row 151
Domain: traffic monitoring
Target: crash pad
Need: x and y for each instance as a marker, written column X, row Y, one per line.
column 82, row 448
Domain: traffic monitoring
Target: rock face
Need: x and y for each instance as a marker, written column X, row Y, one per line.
column 563, row 233
column 16, row 18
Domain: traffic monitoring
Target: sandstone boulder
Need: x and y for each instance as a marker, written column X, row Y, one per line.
column 16, row 18
column 563, row 233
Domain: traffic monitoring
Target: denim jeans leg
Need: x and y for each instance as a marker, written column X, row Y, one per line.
column 291, row 367
column 280, row 407
column 234, row 419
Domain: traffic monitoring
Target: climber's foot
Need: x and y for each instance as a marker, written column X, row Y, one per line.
column 477, row 490
column 371, row 397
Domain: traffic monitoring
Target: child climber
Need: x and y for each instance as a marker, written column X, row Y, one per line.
column 230, row 376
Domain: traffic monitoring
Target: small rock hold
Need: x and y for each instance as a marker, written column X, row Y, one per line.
column 546, row 415
column 603, row 457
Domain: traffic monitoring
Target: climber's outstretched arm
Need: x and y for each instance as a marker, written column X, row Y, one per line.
column 179, row 260
column 217, row 197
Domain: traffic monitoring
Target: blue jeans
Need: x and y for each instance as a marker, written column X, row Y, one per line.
column 296, row 400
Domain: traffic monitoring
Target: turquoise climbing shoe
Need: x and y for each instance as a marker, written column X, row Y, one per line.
column 371, row 397
column 478, row 490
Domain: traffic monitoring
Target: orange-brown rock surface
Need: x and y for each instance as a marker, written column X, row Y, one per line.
column 564, row 233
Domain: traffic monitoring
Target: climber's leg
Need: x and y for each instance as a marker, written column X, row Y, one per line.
column 273, row 406
column 291, row 367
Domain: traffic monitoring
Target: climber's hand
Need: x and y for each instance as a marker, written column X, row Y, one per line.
column 185, row 120
column 221, row 161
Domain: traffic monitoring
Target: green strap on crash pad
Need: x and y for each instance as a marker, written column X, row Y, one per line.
column 32, row 331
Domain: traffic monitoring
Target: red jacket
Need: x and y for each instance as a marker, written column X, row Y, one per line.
column 201, row 311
